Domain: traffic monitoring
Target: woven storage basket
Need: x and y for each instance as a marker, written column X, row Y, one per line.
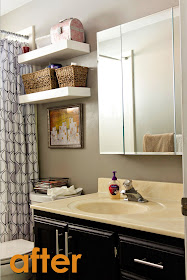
column 40, row 80
column 72, row 76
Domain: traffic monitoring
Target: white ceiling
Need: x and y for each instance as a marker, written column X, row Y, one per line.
column 10, row 5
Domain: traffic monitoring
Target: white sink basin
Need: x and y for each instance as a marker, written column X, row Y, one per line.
column 109, row 207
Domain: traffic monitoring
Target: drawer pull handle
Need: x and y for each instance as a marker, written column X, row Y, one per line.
column 160, row 266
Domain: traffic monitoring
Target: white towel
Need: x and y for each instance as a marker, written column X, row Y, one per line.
column 179, row 143
column 63, row 191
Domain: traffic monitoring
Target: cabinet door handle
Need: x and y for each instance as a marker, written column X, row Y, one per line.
column 67, row 253
column 115, row 252
column 66, row 244
column 159, row 265
column 57, row 243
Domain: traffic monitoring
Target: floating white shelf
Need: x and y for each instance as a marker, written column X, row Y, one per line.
column 54, row 95
column 54, row 53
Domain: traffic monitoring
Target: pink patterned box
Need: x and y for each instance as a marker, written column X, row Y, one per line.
column 69, row 29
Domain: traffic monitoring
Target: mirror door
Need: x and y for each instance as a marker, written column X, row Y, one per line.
column 110, row 91
column 148, row 86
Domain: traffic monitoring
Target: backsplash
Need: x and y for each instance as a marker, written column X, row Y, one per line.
column 158, row 190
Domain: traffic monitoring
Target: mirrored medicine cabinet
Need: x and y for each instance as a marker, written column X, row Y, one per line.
column 139, row 86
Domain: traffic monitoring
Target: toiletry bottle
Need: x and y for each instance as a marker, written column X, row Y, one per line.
column 114, row 187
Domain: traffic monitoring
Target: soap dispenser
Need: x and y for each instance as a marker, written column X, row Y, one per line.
column 114, row 187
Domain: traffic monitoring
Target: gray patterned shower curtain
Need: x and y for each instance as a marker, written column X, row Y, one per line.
column 18, row 147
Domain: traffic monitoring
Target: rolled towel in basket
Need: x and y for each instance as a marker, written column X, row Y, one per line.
column 158, row 142
column 63, row 191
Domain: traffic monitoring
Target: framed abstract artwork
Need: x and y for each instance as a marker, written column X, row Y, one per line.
column 65, row 127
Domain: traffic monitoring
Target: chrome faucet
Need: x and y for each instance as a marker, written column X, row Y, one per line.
column 131, row 193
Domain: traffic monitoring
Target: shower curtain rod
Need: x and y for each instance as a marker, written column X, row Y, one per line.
column 15, row 34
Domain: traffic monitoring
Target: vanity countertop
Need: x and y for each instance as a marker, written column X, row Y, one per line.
column 160, row 216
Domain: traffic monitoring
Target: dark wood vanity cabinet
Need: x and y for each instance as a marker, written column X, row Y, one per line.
column 108, row 252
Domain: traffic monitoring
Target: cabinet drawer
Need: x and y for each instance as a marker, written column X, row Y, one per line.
column 151, row 260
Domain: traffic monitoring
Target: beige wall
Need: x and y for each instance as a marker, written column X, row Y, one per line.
column 84, row 166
